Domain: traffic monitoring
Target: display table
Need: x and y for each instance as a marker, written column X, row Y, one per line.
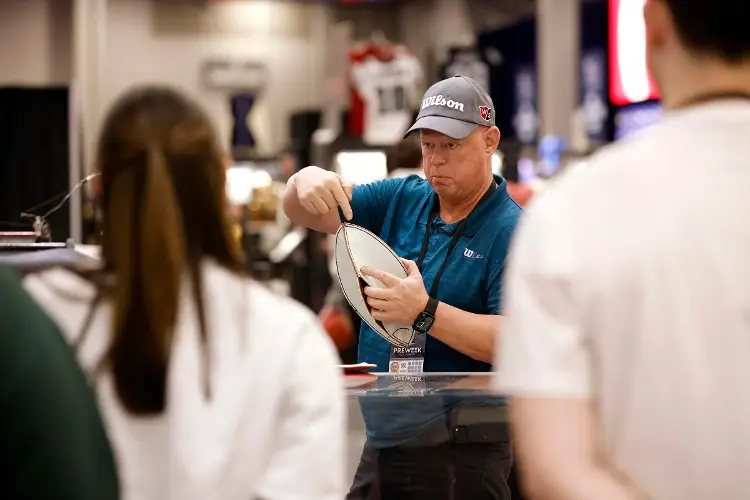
column 463, row 385
column 451, row 421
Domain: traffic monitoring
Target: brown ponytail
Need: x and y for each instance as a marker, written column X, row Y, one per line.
column 164, row 213
column 146, row 294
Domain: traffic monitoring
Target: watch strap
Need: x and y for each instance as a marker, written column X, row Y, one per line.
column 432, row 305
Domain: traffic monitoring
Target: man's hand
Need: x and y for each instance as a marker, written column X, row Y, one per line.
column 401, row 300
column 320, row 191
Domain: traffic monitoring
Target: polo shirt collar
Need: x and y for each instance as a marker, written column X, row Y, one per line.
column 477, row 217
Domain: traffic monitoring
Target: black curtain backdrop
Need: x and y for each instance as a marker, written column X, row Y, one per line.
column 312, row 280
column 595, row 38
column 595, row 25
column 34, row 161
column 516, row 45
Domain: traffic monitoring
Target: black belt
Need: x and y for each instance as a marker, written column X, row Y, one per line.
column 466, row 425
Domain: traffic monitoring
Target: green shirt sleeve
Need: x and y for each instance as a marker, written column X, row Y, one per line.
column 52, row 440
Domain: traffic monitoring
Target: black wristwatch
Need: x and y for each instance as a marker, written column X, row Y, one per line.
column 426, row 318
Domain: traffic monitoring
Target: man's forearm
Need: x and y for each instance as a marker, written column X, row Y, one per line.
column 469, row 333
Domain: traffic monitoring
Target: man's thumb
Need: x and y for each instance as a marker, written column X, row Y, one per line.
column 411, row 266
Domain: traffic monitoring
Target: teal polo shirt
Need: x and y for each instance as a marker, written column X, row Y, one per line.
column 398, row 210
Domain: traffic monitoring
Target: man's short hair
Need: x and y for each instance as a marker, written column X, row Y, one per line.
column 714, row 27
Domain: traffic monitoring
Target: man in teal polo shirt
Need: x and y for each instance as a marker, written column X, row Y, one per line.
column 453, row 230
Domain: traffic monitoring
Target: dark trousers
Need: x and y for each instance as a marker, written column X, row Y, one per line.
column 448, row 471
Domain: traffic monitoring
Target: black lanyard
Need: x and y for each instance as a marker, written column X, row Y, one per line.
column 454, row 240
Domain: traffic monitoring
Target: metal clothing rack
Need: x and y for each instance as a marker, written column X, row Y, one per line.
column 34, row 257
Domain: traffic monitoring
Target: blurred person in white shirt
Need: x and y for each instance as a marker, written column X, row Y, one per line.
column 211, row 386
column 626, row 348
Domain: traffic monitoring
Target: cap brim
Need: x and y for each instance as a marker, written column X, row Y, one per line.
column 455, row 129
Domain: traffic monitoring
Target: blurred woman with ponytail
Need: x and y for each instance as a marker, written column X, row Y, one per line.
column 212, row 387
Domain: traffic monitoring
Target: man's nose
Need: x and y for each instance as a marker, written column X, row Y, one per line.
column 437, row 159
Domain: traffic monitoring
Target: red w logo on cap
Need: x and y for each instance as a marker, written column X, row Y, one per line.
column 486, row 112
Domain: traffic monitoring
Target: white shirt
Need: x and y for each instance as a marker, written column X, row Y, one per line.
column 388, row 90
column 274, row 427
column 629, row 282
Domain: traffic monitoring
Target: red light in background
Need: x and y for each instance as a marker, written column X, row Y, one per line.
column 630, row 80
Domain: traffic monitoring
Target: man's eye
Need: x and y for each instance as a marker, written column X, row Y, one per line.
column 426, row 145
column 451, row 145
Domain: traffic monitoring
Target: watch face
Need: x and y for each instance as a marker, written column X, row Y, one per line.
column 424, row 322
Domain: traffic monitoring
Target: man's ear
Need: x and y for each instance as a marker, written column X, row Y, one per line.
column 491, row 140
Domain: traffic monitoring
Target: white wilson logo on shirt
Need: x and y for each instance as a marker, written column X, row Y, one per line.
column 439, row 100
column 471, row 254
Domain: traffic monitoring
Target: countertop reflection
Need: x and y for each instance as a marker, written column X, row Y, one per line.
column 419, row 385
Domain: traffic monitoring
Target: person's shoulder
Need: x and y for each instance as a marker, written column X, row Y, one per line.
column 630, row 159
column 505, row 211
column 18, row 309
column 59, row 288
column 29, row 334
column 284, row 326
column 41, row 378
column 415, row 183
column 7, row 275
column 396, row 187
column 411, row 193
column 411, row 181
column 609, row 177
column 278, row 319
column 503, row 225
column 286, row 311
column 413, row 186
column 10, row 288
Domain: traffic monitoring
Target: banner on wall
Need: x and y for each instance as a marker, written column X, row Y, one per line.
column 594, row 94
column 630, row 80
column 242, row 81
column 467, row 61
column 526, row 117
column 385, row 90
column 511, row 53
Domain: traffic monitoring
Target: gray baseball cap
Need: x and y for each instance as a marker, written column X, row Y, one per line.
column 455, row 107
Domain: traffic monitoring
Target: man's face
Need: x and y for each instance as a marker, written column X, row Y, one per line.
column 456, row 167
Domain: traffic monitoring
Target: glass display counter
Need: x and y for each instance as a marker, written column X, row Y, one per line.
column 464, row 385
column 429, row 435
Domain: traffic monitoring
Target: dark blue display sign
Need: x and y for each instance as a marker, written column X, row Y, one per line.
column 594, row 98
column 242, row 105
column 513, row 79
column 526, row 116
column 509, row 81
column 594, row 70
